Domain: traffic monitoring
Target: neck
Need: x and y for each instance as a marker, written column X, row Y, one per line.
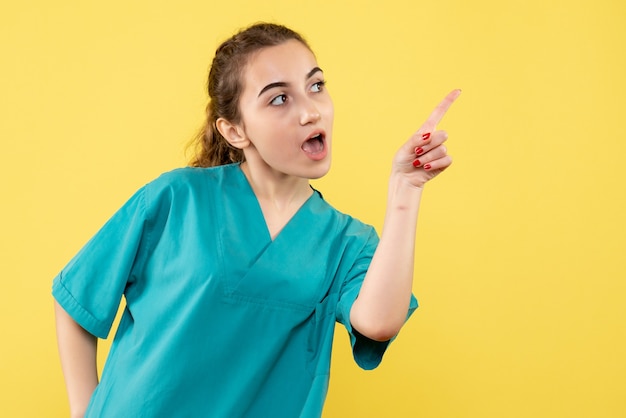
column 281, row 190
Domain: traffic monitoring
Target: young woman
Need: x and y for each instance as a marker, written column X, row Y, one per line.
column 235, row 270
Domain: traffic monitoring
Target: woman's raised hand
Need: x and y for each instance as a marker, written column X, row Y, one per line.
column 424, row 156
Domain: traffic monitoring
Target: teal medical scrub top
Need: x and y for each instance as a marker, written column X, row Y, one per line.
column 220, row 320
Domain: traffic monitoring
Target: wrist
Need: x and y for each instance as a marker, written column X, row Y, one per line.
column 400, row 183
column 403, row 194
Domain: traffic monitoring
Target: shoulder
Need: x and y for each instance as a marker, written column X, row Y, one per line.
column 191, row 176
column 185, row 186
column 349, row 226
column 188, row 180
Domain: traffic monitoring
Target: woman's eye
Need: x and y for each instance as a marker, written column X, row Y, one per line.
column 279, row 100
column 317, row 87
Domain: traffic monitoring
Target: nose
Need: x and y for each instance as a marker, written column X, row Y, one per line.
column 309, row 113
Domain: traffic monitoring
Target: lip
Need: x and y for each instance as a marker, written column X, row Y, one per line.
column 316, row 156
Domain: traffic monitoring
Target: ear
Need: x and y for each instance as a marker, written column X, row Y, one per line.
column 234, row 134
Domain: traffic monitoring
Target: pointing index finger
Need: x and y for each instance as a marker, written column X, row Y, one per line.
column 441, row 109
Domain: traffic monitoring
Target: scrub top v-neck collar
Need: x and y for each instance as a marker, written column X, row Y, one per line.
column 253, row 201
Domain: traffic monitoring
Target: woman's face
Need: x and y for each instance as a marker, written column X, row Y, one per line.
column 286, row 112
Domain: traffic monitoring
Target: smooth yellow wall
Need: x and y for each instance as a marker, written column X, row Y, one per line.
column 520, row 261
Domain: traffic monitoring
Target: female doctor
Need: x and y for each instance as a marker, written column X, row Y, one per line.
column 234, row 270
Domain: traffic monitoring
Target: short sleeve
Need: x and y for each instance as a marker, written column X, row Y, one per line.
column 367, row 353
column 91, row 286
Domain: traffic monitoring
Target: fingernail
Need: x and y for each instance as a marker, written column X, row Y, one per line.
column 427, row 167
column 418, row 150
column 426, row 136
column 416, row 163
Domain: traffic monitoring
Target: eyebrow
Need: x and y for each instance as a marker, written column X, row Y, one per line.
column 283, row 84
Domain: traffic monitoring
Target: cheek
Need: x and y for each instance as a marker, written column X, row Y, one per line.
column 330, row 111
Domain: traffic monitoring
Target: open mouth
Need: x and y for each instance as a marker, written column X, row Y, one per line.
column 314, row 145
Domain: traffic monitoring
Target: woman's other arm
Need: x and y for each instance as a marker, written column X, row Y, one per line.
column 77, row 349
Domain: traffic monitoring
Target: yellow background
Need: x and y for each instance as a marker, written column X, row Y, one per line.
column 520, row 258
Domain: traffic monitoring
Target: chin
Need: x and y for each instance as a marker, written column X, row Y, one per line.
column 320, row 170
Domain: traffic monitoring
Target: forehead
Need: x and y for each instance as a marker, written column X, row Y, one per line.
column 289, row 61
